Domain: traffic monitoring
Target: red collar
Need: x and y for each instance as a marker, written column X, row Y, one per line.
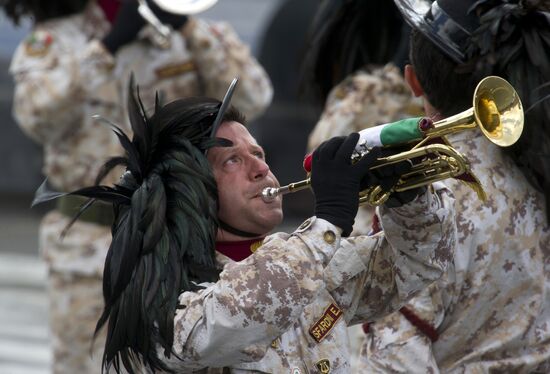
column 110, row 8
column 238, row 251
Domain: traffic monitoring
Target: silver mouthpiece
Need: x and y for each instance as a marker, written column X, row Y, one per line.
column 269, row 194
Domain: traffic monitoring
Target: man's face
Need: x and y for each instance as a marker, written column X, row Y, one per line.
column 241, row 174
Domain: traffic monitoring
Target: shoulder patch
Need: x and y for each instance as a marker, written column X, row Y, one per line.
column 38, row 43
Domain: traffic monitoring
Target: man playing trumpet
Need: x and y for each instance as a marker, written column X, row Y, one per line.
column 191, row 280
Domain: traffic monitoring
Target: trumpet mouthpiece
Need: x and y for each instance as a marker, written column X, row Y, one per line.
column 269, row 194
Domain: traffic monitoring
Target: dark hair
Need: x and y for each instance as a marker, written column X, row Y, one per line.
column 447, row 89
column 347, row 35
column 40, row 10
column 232, row 114
column 521, row 57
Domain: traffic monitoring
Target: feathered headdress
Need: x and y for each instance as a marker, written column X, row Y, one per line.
column 508, row 30
column 165, row 226
column 40, row 11
column 513, row 41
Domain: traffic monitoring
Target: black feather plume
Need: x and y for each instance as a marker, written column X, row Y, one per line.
column 164, row 230
column 513, row 41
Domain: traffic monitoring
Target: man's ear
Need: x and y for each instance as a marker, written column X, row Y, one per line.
column 412, row 81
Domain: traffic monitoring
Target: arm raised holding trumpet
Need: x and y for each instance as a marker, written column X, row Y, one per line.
column 496, row 111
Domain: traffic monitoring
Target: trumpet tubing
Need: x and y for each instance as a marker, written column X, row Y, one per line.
column 447, row 163
column 496, row 111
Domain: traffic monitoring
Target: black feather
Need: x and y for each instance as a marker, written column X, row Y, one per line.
column 165, row 208
column 164, row 231
column 513, row 41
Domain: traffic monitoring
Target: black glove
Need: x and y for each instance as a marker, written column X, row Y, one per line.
column 177, row 21
column 127, row 25
column 387, row 177
column 336, row 182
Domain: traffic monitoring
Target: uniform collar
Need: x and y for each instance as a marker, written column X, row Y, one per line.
column 238, row 251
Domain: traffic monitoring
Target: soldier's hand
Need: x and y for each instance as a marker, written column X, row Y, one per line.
column 126, row 27
column 387, row 177
column 336, row 182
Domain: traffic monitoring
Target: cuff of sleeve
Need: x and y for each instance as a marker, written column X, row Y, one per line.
column 418, row 212
column 320, row 235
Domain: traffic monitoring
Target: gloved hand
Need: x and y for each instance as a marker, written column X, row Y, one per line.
column 177, row 21
column 388, row 176
column 336, row 182
column 127, row 25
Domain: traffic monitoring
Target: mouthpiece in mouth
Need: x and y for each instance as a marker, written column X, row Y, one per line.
column 269, row 194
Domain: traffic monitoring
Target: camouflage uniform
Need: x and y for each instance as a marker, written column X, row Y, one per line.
column 285, row 309
column 364, row 99
column 64, row 76
column 492, row 314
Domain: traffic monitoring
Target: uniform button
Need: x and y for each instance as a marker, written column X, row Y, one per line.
column 329, row 236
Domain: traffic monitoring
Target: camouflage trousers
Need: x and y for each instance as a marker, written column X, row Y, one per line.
column 75, row 306
column 75, row 292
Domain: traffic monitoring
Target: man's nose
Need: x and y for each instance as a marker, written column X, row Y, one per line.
column 259, row 169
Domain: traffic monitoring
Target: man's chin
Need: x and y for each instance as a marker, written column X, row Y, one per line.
column 269, row 221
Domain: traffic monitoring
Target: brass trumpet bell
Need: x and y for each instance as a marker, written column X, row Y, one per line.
column 496, row 110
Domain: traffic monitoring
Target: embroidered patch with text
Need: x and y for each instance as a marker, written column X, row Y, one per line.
column 327, row 321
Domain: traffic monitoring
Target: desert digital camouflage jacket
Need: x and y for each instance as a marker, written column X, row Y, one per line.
column 286, row 308
column 493, row 314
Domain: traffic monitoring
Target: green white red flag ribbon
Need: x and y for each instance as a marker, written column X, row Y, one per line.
column 394, row 133
column 400, row 132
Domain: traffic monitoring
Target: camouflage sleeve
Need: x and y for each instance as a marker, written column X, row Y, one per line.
column 50, row 87
column 255, row 300
column 221, row 56
column 397, row 345
column 423, row 236
column 415, row 249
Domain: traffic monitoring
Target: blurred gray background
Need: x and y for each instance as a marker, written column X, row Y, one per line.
column 275, row 30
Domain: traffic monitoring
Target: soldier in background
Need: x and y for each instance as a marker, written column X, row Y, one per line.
column 191, row 280
column 353, row 68
column 75, row 64
column 492, row 314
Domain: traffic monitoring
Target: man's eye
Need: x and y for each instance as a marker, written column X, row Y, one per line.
column 260, row 155
column 232, row 160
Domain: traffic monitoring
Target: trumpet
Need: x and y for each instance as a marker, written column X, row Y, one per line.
column 183, row 7
column 497, row 111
